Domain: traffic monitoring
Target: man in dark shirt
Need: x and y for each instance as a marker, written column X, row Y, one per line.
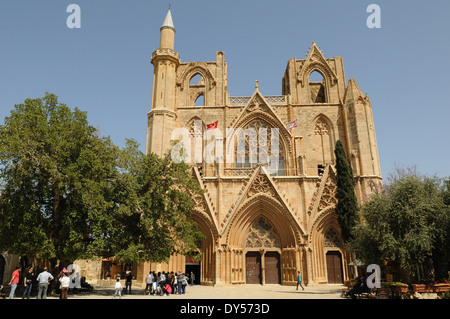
column 28, row 282
column 128, row 279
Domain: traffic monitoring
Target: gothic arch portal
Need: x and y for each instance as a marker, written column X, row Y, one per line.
column 207, row 246
column 325, row 237
column 265, row 206
column 272, row 252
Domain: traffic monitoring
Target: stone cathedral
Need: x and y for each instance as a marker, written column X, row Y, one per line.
column 261, row 225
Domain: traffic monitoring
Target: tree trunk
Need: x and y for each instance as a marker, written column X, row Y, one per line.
column 418, row 274
column 55, row 217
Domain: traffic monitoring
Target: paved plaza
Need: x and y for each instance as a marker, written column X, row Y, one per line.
column 223, row 292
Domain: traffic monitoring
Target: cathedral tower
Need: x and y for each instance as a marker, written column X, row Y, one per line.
column 161, row 118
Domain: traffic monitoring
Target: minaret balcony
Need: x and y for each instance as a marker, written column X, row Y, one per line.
column 165, row 53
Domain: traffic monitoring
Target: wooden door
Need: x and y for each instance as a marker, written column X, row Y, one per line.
column 253, row 267
column 334, row 267
column 272, row 265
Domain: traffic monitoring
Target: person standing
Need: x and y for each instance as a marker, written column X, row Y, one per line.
column 148, row 287
column 28, row 282
column 118, row 289
column 299, row 280
column 172, row 281
column 61, row 275
column 14, row 281
column 184, row 283
column 180, row 282
column 65, row 282
column 192, row 278
column 44, row 279
column 128, row 280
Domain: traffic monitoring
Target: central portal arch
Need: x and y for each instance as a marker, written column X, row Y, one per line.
column 263, row 253
column 260, row 243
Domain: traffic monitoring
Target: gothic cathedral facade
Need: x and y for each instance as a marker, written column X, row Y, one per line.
column 263, row 224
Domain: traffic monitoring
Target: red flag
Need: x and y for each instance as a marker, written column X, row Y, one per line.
column 291, row 125
column 212, row 125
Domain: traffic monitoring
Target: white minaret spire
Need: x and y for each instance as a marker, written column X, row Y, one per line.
column 168, row 22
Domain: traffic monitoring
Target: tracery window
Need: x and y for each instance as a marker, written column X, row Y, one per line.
column 262, row 234
column 196, row 129
column 322, row 139
column 332, row 238
column 259, row 144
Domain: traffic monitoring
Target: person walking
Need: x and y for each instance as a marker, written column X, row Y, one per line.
column 44, row 279
column 28, row 282
column 14, row 281
column 65, row 282
column 299, row 280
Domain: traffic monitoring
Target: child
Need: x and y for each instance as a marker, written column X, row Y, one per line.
column 118, row 289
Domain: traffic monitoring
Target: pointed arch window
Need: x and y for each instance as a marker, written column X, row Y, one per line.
column 322, row 135
column 317, row 87
column 200, row 101
column 196, row 129
column 259, row 144
column 196, row 79
column 197, row 90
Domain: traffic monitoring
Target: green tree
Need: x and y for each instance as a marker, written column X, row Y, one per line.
column 441, row 250
column 67, row 193
column 347, row 205
column 55, row 172
column 154, row 198
column 407, row 223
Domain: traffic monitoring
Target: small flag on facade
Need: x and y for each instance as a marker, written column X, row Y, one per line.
column 291, row 125
column 212, row 125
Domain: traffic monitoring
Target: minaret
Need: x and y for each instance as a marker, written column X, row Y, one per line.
column 167, row 40
column 161, row 118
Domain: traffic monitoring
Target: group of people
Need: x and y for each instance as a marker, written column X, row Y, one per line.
column 158, row 284
column 43, row 280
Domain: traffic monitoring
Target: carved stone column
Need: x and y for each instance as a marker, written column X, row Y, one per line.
column 263, row 266
column 218, row 275
column 309, row 265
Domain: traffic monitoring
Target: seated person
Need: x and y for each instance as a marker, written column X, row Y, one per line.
column 359, row 288
column 168, row 289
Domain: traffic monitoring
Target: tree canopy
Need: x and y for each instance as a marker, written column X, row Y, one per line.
column 347, row 205
column 66, row 192
column 406, row 223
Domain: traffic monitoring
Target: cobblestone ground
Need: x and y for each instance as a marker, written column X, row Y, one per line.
column 224, row 292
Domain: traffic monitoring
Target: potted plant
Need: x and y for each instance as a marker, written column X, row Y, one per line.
column 397, row 287
column 419, row 287
column 441, row 286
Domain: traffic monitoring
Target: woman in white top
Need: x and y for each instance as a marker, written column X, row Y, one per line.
column 65, row 282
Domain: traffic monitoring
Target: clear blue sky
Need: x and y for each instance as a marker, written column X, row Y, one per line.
column 104, row 68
